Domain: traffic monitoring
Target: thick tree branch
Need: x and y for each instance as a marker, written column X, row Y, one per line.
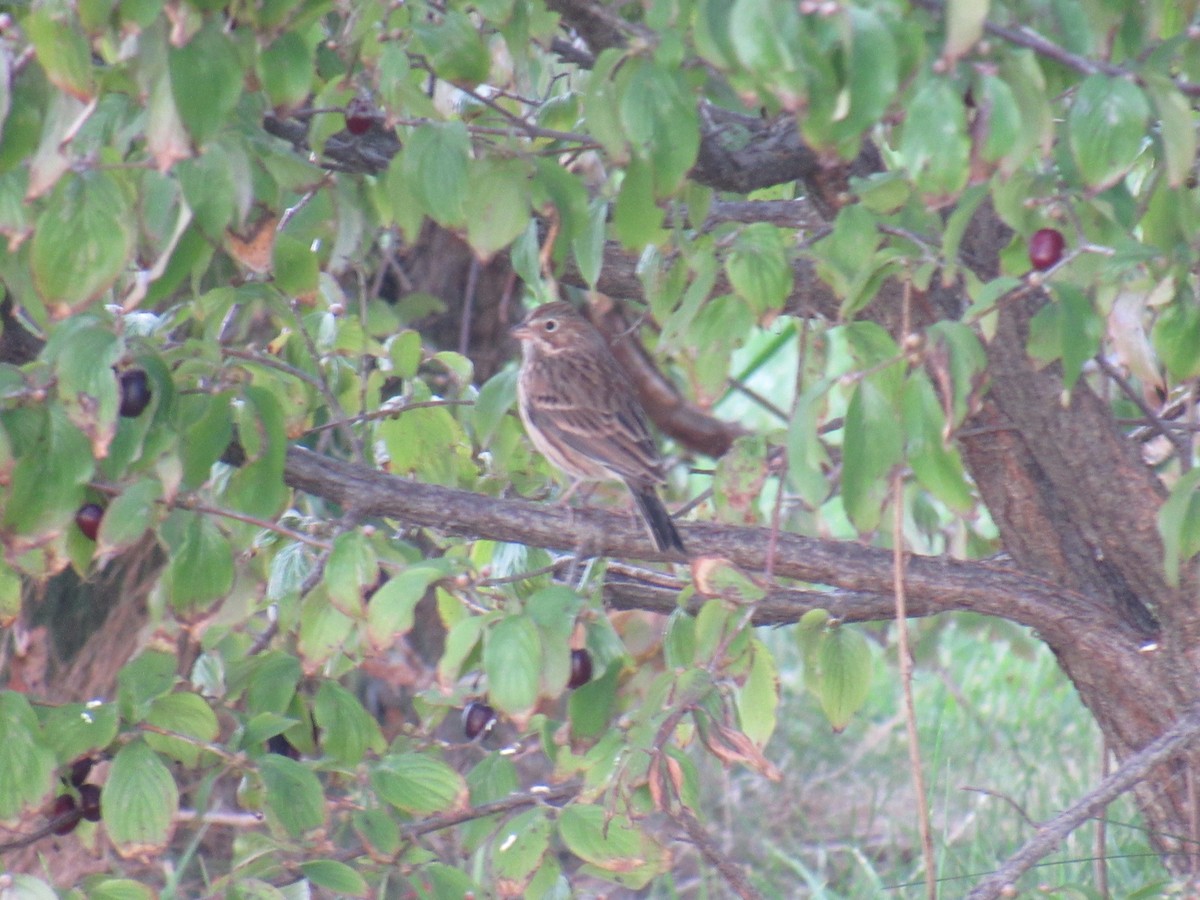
column 933, row 583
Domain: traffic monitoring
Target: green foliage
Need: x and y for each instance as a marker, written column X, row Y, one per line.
column 181, row 193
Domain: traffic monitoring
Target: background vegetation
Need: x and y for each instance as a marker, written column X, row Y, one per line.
column 909, row 290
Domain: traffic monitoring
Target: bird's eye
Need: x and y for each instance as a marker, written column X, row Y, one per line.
column 550, row 326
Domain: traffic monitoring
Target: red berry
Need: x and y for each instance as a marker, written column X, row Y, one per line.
column 1046, row 248
column 360, row 116
column 478, row 718
column 135, row 393
column 88, row 520
column 89, row 801
column 64, row 814
column 581, row 669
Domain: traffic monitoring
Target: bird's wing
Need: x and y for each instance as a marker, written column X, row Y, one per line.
column 592, row 408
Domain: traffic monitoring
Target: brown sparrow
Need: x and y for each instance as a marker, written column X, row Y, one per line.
column 583, row 414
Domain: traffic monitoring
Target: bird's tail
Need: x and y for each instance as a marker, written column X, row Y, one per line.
column 662, row 529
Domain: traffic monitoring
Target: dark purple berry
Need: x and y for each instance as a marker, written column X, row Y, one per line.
column 478, row 718
column 89, row 801
column 281, row 745
column 88, row 521
column 80, row 769
column 581, row 669
column 135, row 393
column 64, row 814
column 1046, row 248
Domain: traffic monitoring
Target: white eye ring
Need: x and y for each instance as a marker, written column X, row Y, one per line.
column 550, row 326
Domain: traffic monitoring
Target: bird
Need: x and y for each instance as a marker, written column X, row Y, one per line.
column 583, row 414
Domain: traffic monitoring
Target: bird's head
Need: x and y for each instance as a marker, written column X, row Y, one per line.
column 553, row 328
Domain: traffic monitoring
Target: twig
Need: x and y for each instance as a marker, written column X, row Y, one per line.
column 1023, row 36
column 1177, row 440
column 906, row 673
column 1099, row 849
column 1135, row 769
column 730, row 871
column 1020, row 810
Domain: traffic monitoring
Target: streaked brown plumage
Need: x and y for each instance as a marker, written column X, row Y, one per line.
column 582, row 413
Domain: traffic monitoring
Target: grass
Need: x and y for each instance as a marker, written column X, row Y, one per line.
column 995, row 713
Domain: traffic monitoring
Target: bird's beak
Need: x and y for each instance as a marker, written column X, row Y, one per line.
column 521, row 332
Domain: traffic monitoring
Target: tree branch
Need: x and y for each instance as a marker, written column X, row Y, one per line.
column 934, row 584
column 1171, row 743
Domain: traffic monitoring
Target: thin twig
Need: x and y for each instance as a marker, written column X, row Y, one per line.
column 1099, row 849
column 1169, row 744
column 906, row 673
column 1177, row 440
column 758, row 398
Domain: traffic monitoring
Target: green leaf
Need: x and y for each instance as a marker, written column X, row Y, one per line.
column 323, row 629
column 139, row 801
column 271, row 681
column 934, row 146
column 285, row 70
column 435, row 167
column 378, row 830
column 455, row 48
column 62, row 49
column 1106, row 127
column 519, row 848
column 186, row 714
column 83, row 351
column 497, row 205
column 347, row 730
column 659, row 119
column 128, row 516
column 390, row 610
column 1003, row 124
column 336, row 877
column 844, row 663
column 206, row 81
column 1176, row 338
column 758, row 267
column 352, row 568
column 26, row 887
column 637, row 219
column 1179, row 524
column 295, row 265
column 588, row 246
column 1177, row 135
column 294, row 799
column 257, row 487
column 200, row 570
column 512, row 660
column 144, row 679
column 758, row 698
column 873, row 444
column 1082, row 330
column 120, row 889
column 206, row 425
column 614, row 845
column 83, row 239
column 26, row 762
column 964, row 26
column 591, row 706
column 427, row 443
column 419, row 785
column 938, row 467
column 74, row 729
column 496, row 397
